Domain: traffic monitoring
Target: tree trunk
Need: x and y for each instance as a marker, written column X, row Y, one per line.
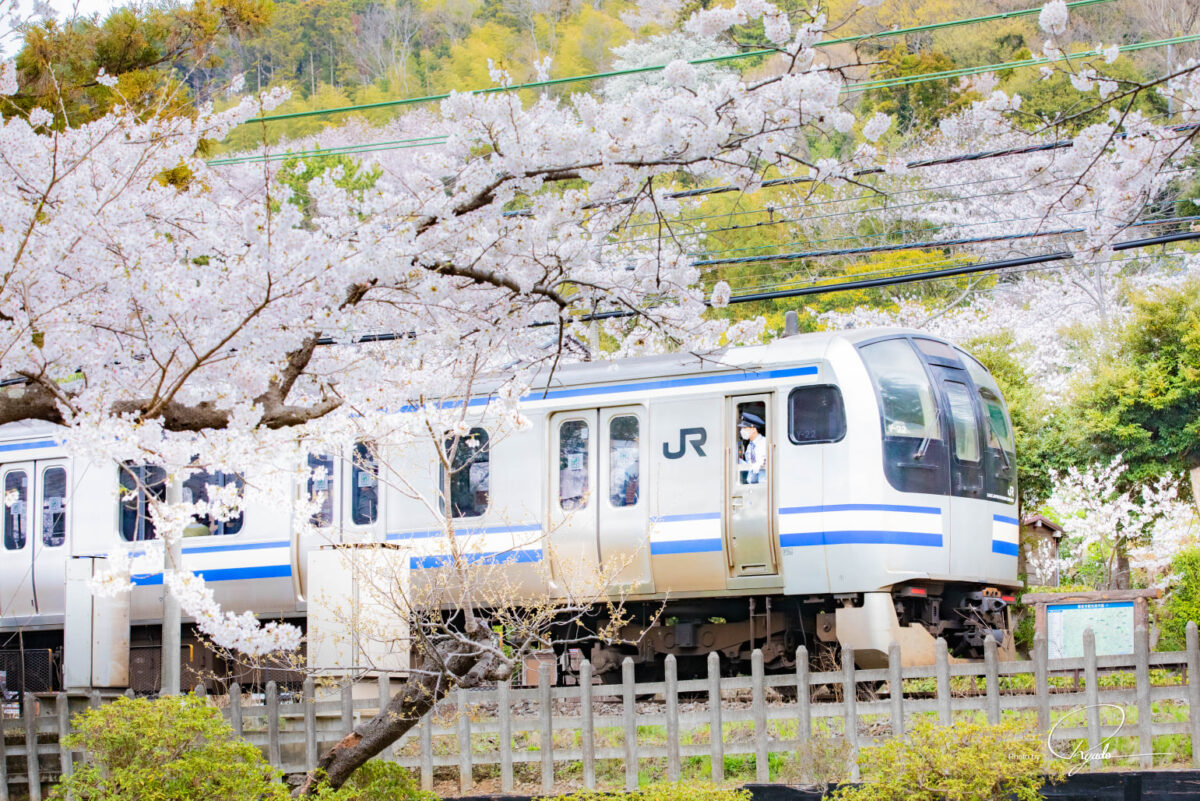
column 452, row 665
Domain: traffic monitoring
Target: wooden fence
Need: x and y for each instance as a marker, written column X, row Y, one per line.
column 506, row 727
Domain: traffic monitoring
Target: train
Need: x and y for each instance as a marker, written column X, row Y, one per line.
column 831, row 489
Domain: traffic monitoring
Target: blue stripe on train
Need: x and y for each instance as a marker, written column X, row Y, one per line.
column 809, row 538
column 685, row 546
column 493, row 558
column 223, row 574
column 1006, row 548
column 28, row 446
column 1012, row 521
column 860, row 507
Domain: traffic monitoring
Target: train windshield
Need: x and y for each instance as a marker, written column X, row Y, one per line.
column 915, row 458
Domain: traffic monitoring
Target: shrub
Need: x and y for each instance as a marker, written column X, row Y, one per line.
column 662, row 791
column 175, row 748
column 1183, row 604
column 965, row 762
column 378, row 781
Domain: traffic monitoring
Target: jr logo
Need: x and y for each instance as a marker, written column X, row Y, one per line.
column 696, row 436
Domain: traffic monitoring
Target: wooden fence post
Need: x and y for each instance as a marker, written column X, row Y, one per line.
column 546, row 736
column 992, row 672
column 1141, row 659
column 466, row 778
column 384, row 681
column 63, row 707
column 4, row 796
column 1092, row 691
column 850, row 709
column 762, row 766
column 896, row 688
column 1041, row 682
column 587, row 732
column 1193, row 690
column 629, row 718
column 427, row 750
column 31, row 748
column 942, row 669
column 803, row 702
column 506, row 761
column 347, row 698
column 235, row 709
column 310, row 723
column 716, row 739
column 273, row 751
column 671, row 699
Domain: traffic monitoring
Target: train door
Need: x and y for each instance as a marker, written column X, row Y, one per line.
column 970, row 522
column 597, row 514
column 49, row 540
column 749, row 479
column 17, row 600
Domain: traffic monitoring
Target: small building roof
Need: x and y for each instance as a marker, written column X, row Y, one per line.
column 1040, row 521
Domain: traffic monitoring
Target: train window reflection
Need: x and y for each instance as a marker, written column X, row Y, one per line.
column 469, row 473
column 909, row 409
column 573, row 463
column 816, row 414
column 54, row 506
column 320, row 488
column 623, row 461
column 962, row 414
column 364, row 485
column 196, row 490
column 139, row 485
column 16, row 509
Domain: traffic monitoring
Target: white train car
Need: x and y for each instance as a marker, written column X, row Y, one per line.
column 850, row 488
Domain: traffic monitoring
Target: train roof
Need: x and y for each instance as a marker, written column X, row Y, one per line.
column 782, row 351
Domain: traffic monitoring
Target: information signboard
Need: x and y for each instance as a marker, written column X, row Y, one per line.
column 1111, row 622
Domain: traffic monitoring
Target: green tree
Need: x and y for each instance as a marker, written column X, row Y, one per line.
column 1045, row 102
column 1183, row 604
column 155, row 52
column 916, row 105
column 1145, row 399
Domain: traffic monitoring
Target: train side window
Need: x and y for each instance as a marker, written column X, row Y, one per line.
column 470, row 463
column 624, row 458
column 195, row 490
column 999, row 446
column 962, row 414
column 321, row 485
column 574, row 443
column 54, row 506
column 364, row 485
column 138, row 485
column 16, row 509
column 914, row 452
column 816, row 414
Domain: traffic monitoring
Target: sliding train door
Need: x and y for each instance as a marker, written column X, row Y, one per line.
column 32, row 573
column 598, row 520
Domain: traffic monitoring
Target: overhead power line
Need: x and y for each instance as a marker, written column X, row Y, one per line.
column 659, row 67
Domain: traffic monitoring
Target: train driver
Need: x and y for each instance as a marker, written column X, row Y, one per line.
column 753, row 464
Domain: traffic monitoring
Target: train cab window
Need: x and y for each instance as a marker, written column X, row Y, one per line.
column 999, row 447
column 321, row 485
column 623, row 461
column 469, row 479
column 196, row 490
column 364, row 485
column 962, row 415
column 939, row 350
column 816, row 414
column 54, row 506
column 914, row 453
column 16, row 509
column 574, row 443
column 139, row 485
